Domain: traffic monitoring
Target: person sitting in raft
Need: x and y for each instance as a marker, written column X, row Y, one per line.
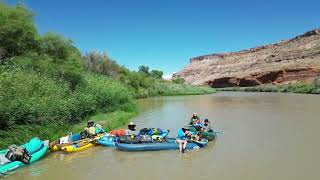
column 93, row 129
column 206, row 126
column 194, row 119
column 195, row 122
column 182, row 138
column 131, row 131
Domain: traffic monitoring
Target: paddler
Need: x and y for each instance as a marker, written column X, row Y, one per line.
column 131, row 131
column 206, row 126
column 195, row 122
column 182, row 138
column 93, row 129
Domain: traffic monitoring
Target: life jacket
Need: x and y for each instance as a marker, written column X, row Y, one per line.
column 16, row 153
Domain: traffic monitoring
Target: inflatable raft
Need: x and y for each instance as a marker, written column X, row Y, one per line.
column 64, row 141
column 206, row 135
column 110, row 140
column 170, row 144
column 35, row 147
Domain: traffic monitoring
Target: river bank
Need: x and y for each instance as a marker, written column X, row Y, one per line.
column 48, row 87
column 109, row 120
column 295, row 88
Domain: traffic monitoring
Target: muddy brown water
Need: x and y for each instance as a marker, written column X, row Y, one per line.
column 266, row 136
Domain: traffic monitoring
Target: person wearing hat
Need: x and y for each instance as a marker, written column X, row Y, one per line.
column 90, row 130
column 194, row 119
column 131, row 129
column 182, row 138
column 206, row 126
column 195, row 122
column 93, row 129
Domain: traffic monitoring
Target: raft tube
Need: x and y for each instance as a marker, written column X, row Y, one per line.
column 77, row 147
column 169, row 145
column 35, row 147
column 206, row 135
column 108, row 140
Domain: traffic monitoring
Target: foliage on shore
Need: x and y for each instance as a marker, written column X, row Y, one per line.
column 294, row 88
column 47, row 88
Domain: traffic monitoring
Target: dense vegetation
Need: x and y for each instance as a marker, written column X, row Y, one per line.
column 48, row 88
column 293, row 88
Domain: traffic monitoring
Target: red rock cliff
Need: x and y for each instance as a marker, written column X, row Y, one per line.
column 290, row 61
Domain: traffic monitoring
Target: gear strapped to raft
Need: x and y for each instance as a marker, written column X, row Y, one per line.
column 16, row 153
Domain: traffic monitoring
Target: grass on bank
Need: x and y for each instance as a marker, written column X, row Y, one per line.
column 54, row 131
column 293, row 88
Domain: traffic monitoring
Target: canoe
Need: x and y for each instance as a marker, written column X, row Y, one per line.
column 169, row 145
column 35, row 147
column 206, row 135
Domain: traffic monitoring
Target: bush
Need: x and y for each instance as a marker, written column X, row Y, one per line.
column 179, row 80
column 317, row 82
column 156, row 74
column 28, row 98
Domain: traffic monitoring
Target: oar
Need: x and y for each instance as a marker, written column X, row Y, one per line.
column 81, row 141
column 218, row 132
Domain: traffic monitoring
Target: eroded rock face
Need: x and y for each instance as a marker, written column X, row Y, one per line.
column 290, row 61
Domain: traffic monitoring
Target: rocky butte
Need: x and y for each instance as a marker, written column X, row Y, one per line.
column 287, row 62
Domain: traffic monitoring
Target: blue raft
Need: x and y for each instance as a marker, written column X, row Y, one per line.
column 169, row 145
column 110, row 140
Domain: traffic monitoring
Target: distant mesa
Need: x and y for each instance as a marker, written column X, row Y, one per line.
column 286, row 62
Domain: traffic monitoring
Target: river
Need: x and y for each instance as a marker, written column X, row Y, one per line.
column 266, row 136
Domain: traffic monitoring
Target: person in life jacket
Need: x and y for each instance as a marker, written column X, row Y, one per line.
column 195, row 122
column 131, row 131
column 183, row 133
column 93, row 129
column 206, row 126
column 195, row 118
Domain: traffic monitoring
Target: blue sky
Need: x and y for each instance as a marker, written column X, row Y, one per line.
column 165, row 34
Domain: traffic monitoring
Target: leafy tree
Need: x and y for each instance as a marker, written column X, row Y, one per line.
column 99, row 62
column 156, row 74
column 144, row 69
column 17, row 31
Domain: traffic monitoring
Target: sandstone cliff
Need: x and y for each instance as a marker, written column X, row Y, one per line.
column 291, row 61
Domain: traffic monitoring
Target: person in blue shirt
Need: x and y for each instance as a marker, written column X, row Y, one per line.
column 182, row 138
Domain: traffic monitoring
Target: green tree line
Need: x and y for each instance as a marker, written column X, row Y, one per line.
column 46, row 84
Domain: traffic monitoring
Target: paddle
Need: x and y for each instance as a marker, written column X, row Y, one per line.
column 81, row 141
column 3, row 174
column 218, row 132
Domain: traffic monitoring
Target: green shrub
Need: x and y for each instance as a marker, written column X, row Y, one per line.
column 317, row 82
column 179, row 80
column 28, row 98
column 156, row 74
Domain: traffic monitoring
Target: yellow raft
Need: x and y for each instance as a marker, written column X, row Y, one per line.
column 81, row 145
column 77, row 147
